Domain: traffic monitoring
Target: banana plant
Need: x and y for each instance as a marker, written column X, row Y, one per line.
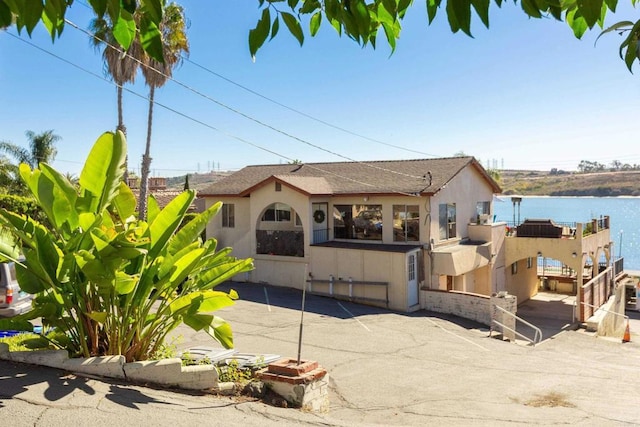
column 112, row 284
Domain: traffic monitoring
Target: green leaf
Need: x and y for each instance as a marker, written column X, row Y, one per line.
column 9, row 249
column 99, row 7
column 29, row 279
column 259, row 35
column 614, row 27
column 274, row 28
column 294, row 26
column 98, row 316
column 216, row 327
column 192, row 230
column 124, row 202
column 125, row 284
column 216, row 300
column 403, row 5
column 30, row 13
column 16, row 324
column 153, row 208
column 591, row 10
column 531, row 8
column 576, row 22
column 432, row 9
column 152, row 10
column 391, row 35
column 462, row 11
column 223, row 272
column 310, row 6
column 124, row 29
column 65, row 196
column 361, row 17
column 314, row 24
column 611, row 4
column 5, row 15
column 151, row 39
column 482, row 9
column 391, row 6
column 184, row 265
column 103, row 170
column 632, row 46
column 167, row 221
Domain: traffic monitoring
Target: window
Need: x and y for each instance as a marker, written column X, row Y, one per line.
column 514, row 268
column 447, row 220
column 278, row 186
column 228, row 215
column 358, row 222
column 277, row 212
column 406, row 223
column 483, row 208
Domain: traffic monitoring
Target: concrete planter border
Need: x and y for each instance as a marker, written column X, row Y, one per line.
column 166, row 372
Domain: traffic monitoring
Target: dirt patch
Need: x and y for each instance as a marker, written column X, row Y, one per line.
column 551, row 399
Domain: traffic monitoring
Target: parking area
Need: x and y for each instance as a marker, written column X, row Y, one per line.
column 389, row 368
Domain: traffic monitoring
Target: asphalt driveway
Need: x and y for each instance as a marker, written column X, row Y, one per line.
column 389, row 368
column 385, row 368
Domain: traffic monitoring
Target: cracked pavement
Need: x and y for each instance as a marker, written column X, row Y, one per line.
column 385, row 368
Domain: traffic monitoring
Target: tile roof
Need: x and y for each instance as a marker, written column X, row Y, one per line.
column 375, row 177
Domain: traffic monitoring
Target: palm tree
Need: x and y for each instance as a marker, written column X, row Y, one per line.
column 120, row 65
column 174, row 44
column 41, row 150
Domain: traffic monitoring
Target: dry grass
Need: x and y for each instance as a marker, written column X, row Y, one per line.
column 551, row 399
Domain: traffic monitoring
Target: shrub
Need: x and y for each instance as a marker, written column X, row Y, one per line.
column 95, row 270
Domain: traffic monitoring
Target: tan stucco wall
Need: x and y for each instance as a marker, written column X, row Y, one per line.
column 560, row 249
column 465, row 190
column 524, row 284
column 279, row 271
column 482, row 281
column 238, row 237
column 364, row 265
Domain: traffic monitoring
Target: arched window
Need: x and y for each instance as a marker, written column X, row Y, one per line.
column 279, row 231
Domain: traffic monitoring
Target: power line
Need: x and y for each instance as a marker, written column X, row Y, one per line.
column 294, row 110
column 193, row 119
column 302, row 113
column 236, row 111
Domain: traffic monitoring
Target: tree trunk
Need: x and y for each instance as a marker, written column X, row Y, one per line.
column 146, row 162
column 123, row 129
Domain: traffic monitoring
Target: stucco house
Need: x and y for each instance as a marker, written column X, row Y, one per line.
column 380, row 232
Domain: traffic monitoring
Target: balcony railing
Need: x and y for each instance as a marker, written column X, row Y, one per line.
column 550, row 228
column 320, row 236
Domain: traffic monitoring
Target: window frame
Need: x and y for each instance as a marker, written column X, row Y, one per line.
column 350, row 222
column 447, row 222
column 404, row 212
column 228, row 215
column 278, row 213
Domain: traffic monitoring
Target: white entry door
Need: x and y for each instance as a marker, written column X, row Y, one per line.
column 412, row 280
column 320, row 222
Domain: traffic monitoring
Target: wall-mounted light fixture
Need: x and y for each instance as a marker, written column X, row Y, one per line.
column 574, row 254
column 539, row 253
column 366, row 198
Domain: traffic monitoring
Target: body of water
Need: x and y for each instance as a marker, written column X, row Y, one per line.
column 623, row 211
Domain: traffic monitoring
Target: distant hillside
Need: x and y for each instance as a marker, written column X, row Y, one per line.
column 197, row 181
column 522, row 182
column 598, row 184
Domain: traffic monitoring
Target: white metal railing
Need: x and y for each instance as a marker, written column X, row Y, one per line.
column 537, row 337
column 605, row 310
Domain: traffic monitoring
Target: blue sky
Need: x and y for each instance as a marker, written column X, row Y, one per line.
column 526, row 93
